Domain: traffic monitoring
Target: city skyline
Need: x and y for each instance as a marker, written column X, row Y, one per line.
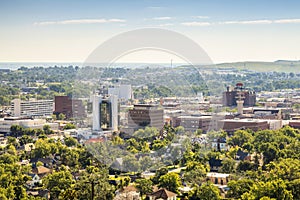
column 229, row 31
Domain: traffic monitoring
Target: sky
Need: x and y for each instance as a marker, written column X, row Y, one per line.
column 228, row 30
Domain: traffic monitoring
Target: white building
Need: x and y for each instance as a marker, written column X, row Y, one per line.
column 105, row 112
column 6, row 123
column 32, row 108
column 122, row 91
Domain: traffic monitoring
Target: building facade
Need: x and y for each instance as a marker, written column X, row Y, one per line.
column 122, row 91
column 231, row 125
column 143, row 115
column 230, row 96
column 6, row 123
column 105, row 112
column 71, row 108
column 32, row 108
column 192, row 123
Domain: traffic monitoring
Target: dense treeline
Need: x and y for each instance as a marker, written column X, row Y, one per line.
column 45, row 83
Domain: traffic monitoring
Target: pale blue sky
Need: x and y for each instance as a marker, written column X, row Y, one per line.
column 228, row 30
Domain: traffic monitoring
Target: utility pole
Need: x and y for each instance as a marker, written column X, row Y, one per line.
column 93, row 188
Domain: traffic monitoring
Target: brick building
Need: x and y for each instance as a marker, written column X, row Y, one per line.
column 143, row 115
column 230, row 96
column 69, row 107
column 231, row 125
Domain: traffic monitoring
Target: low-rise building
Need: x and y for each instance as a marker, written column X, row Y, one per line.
column 6, row 123
column 192, row 123
column 231, row 125
column 218, row 178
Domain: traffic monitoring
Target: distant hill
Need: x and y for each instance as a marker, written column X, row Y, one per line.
column 278, row 66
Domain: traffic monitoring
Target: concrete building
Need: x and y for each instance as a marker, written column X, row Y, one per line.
column 192, row 123
column 105, row 112
column 32, row 108
column 142, row 115
column 122, row 91
column 230, row 96
column 231, row 125
column 6, row 123
column 71, row 108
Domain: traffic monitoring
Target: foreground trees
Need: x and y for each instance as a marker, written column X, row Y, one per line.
column 206, row 191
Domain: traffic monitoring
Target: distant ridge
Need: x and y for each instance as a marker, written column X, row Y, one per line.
column 276, row 66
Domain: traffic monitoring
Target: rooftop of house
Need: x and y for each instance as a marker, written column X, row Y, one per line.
column 42, row 170
column 163, row 193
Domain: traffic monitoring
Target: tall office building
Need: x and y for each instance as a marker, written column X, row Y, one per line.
column 105, row 112
column 69, row 107
column 31, row 108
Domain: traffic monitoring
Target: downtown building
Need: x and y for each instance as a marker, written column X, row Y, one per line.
column 32, row 108
column 192, row 123
column 230, row 96
column 143, row 115
column 71, row 108
column 105, row 112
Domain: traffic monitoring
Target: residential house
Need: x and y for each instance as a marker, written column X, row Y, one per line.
column 162, row 194
column 215, row 164
column 35, row 180
column 129, row 193
column 219, row 144
column 41, row 171
column 218, row 178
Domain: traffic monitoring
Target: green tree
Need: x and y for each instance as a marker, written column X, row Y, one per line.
column 146, row 163
column 171, row 181
column 240, row 137
column 239, row 187
column 61, row 116
column 47, row 129
column 206, row 191
column 276, row 189
column 228, row 165
column 69, row 126
column 160, row 172
column 69, row 141
column 57, row 182
column 97, row 177
column 145, row 186
column 286, row 169
column 294, row 187
column 195, row 173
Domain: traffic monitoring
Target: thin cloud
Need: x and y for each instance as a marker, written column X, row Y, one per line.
column 81, row 21
column 248, row 22
column 266, row 21
column 196, row 23
column 162, row 18
column 287, row 21
column 201, row 17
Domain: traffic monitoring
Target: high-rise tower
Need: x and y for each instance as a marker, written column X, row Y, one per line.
column 105, row 112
